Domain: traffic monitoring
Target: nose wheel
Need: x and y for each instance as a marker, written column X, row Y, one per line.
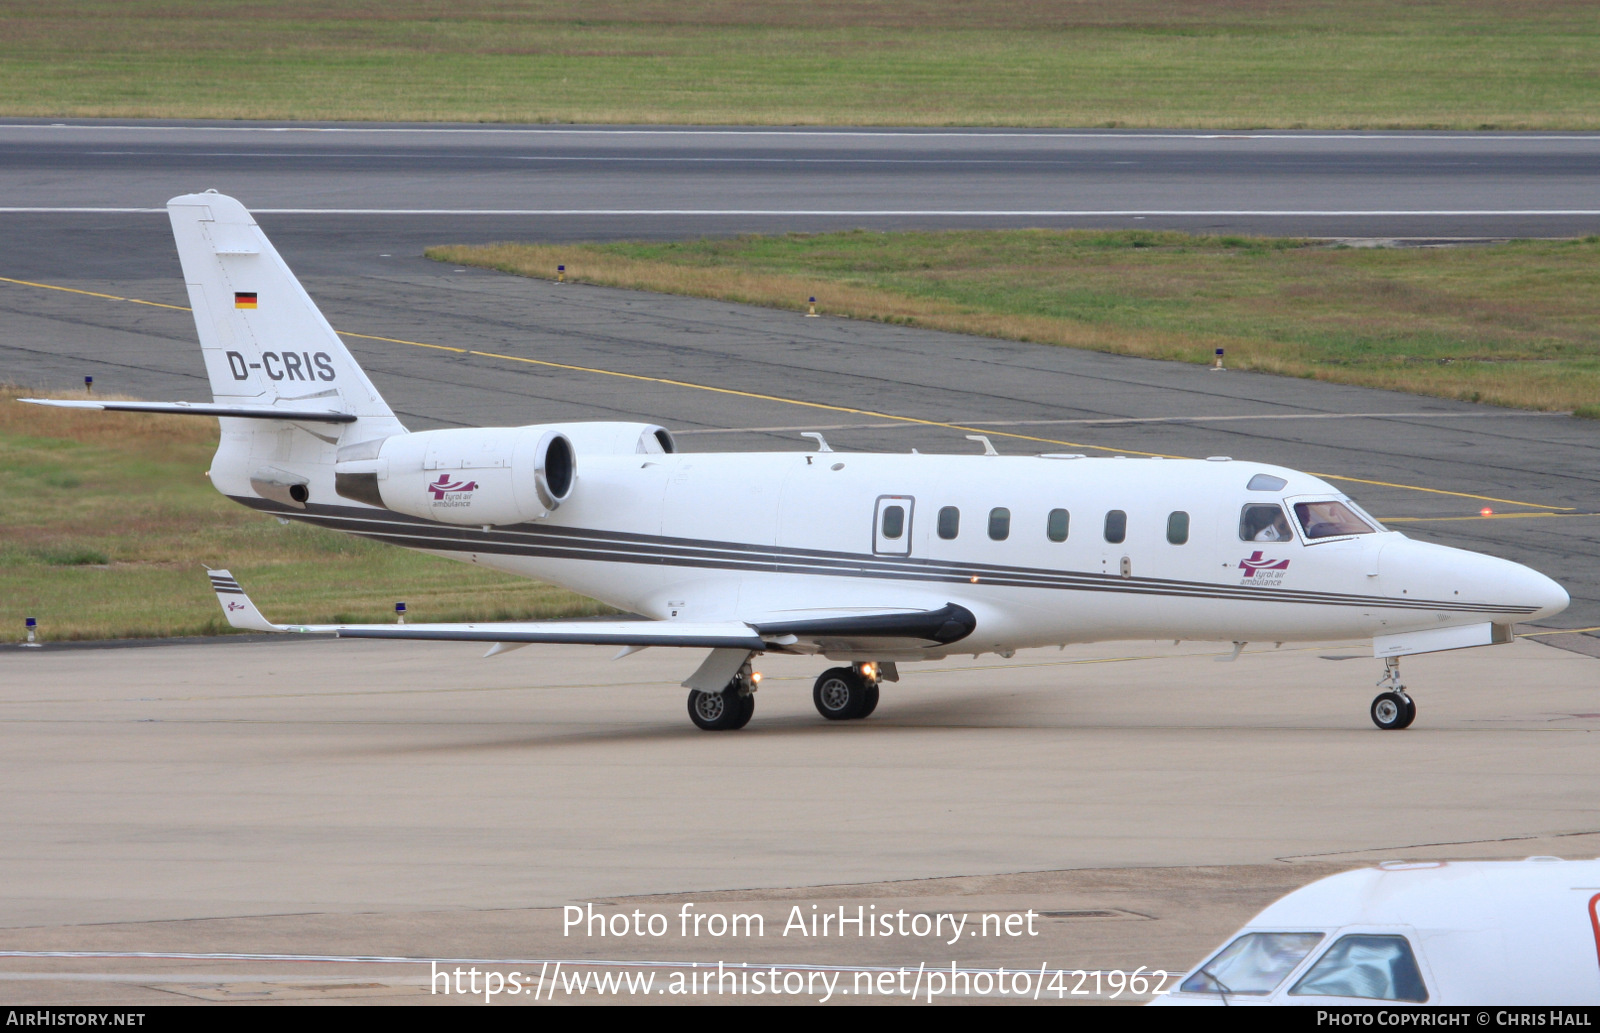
column 1392, row 709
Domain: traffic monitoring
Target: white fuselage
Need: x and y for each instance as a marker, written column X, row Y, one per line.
column 762, row 536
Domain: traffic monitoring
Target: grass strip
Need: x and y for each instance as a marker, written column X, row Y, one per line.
column 1514, row 324
column 109, row 516
column 1462, row 64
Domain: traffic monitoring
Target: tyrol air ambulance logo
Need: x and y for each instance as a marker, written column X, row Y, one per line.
column 1266, row 573
column 449, row 493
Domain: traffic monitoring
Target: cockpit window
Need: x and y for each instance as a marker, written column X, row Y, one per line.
column 1266, row 482
column 1260, row 522
column 1375, row 968
column 1329, row 520
column 1255, row 963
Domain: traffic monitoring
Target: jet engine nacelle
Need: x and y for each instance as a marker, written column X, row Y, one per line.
column 483, row 476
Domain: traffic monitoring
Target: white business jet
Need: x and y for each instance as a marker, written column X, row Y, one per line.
column 867, row 559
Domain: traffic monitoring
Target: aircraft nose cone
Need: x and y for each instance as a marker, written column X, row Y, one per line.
column 1525, row 587
column 1550, row 597
column 1422, row 570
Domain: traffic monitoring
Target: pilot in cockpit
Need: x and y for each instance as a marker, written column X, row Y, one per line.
column 1269, row 524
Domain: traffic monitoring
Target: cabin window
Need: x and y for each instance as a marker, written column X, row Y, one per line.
column 1116, row 526
column 1259, row 522
column 894, row 521
column 999, row 524
column 1329, row 520
column 1253, row 964
column 1178, row 527
column 949, row 522
column 1266, row 482
column 1056, row 526
column 1374, row 968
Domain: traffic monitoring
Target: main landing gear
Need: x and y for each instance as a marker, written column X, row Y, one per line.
column 847, row 693
column 729, row 709
column 1392, row 709
column 841, row 694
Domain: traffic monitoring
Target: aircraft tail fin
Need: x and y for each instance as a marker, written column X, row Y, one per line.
column 264, row 341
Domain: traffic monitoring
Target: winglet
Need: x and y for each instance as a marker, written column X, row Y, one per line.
column 236, row 606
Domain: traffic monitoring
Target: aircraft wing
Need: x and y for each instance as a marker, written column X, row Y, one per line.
column 944, row 625
column 242, row 613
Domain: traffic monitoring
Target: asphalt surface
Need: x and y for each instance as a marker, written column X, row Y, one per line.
column 339, row 799
column 571, row 182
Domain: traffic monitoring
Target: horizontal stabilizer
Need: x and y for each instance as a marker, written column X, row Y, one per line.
column 203, row 409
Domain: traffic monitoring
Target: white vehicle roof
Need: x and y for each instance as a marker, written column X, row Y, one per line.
column 1482, row 932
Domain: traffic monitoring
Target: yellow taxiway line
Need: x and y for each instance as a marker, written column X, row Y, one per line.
column 1479, row 516
column 832, row 408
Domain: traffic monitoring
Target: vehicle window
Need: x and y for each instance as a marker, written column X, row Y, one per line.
column 1255, row 963
column 1329, row 520
column 1376, row 968
column 999, row 524
column 949, row 522
column 1056, row 526
column 894, row 521
column 1116, row 526
column 1260, row 522
column 1178, row 527
column 1266, row 482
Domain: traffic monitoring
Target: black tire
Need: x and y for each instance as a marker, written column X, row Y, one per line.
column 1391, row 711
column 719, row 711
column 747, row 709
column 872, row 700
column 840, row 694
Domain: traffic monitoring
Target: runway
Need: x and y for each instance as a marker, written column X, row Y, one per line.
column 342, row 799
column 566, row 182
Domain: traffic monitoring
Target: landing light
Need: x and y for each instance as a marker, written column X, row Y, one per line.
column 755, row 677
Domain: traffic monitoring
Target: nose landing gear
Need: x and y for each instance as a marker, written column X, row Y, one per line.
column 1392, row 709
column 846, row 693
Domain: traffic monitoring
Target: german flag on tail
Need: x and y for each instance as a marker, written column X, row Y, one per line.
column 244, row 299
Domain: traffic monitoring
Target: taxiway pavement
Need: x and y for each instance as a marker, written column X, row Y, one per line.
column 726, row 376
column 346, row 798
